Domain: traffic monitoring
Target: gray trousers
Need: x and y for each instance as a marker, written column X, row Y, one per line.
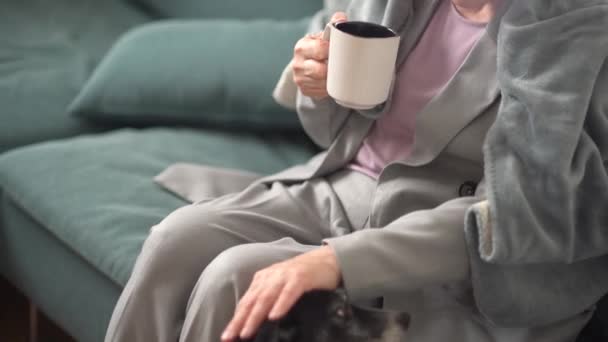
column 199, row 261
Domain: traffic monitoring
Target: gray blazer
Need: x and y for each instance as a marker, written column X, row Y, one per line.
column 431, row 190
column 421, row 201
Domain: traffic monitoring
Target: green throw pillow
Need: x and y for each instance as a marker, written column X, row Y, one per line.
column 216, row 72
column 239, row 9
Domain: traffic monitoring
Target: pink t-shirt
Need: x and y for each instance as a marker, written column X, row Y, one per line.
column 442, row 48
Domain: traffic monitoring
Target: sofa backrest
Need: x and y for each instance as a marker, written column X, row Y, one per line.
column 239, row 9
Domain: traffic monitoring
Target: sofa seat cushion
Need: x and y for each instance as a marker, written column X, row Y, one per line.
column 96, row 193
column 48, row 49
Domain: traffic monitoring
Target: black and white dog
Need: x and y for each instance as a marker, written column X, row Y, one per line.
column 324, row 316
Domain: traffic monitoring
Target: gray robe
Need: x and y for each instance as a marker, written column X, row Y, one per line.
column 421, row 195
column 539, row 244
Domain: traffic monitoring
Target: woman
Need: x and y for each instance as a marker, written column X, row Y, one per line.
column 386, row 201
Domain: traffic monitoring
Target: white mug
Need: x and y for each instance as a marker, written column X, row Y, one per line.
column 361, row 63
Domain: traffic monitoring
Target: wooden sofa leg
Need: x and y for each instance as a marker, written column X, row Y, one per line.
column 33, row 322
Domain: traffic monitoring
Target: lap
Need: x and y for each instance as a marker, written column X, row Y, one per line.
column 308, row 212
column 265, row 214
column 245, row 260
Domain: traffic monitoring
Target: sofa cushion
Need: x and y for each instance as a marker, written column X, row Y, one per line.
column 216, row 72
column 274, row 9
column 47, row 51
column 96, row 193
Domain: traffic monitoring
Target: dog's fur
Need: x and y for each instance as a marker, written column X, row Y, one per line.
column 324, row 316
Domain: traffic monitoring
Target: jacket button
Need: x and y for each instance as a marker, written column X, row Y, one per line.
column 467, row 189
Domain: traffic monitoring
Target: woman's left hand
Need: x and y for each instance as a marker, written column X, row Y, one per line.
column 274, row 290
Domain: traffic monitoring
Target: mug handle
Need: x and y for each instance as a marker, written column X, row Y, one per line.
column 327, row 32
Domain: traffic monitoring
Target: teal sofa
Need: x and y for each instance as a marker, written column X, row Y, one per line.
column 77, row 195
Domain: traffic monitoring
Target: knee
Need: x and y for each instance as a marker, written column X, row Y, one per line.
column 240, row 263
column 233, row 267
column 218, row 290
column 183, row 225
column 223, row 281
column 228, row 276
column 187, row 236
column 180, row 219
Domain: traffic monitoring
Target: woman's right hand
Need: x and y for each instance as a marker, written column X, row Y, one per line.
column 309, row 62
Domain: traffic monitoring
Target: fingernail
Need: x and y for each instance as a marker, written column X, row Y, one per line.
column 274, row 315
column 227, row 335
column 247, row 333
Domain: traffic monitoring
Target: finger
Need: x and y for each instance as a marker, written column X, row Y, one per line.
column 318, row 95
column 243, row 308
column 288, row 297
column 259, row 313
column 312, row 48
column 309, row 83
column 313, row 88
column 316, row 35
column 314, row 92
column 315, row 69
column 338, row 17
